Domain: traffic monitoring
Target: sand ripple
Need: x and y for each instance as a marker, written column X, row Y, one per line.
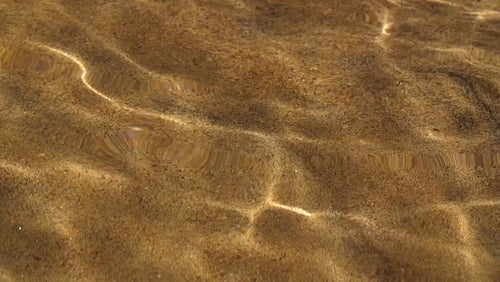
column 250, row 140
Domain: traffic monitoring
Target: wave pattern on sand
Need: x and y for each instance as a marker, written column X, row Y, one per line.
column 250, row 140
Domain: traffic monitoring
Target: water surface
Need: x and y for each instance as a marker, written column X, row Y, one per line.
column 250, row 140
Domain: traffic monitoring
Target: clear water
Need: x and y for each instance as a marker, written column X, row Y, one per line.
column 250, row 140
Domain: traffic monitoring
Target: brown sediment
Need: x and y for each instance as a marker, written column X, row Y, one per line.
column 250, row 140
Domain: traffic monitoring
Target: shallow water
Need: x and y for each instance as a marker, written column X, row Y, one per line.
column 250, row 140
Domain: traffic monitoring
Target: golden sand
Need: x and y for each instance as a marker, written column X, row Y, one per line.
column 250, row 140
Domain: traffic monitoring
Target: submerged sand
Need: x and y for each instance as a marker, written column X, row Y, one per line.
column 250, row 140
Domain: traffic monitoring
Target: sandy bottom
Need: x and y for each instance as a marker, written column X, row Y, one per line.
column 250, row 140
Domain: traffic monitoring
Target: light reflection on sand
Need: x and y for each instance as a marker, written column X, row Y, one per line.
column 254, row 140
